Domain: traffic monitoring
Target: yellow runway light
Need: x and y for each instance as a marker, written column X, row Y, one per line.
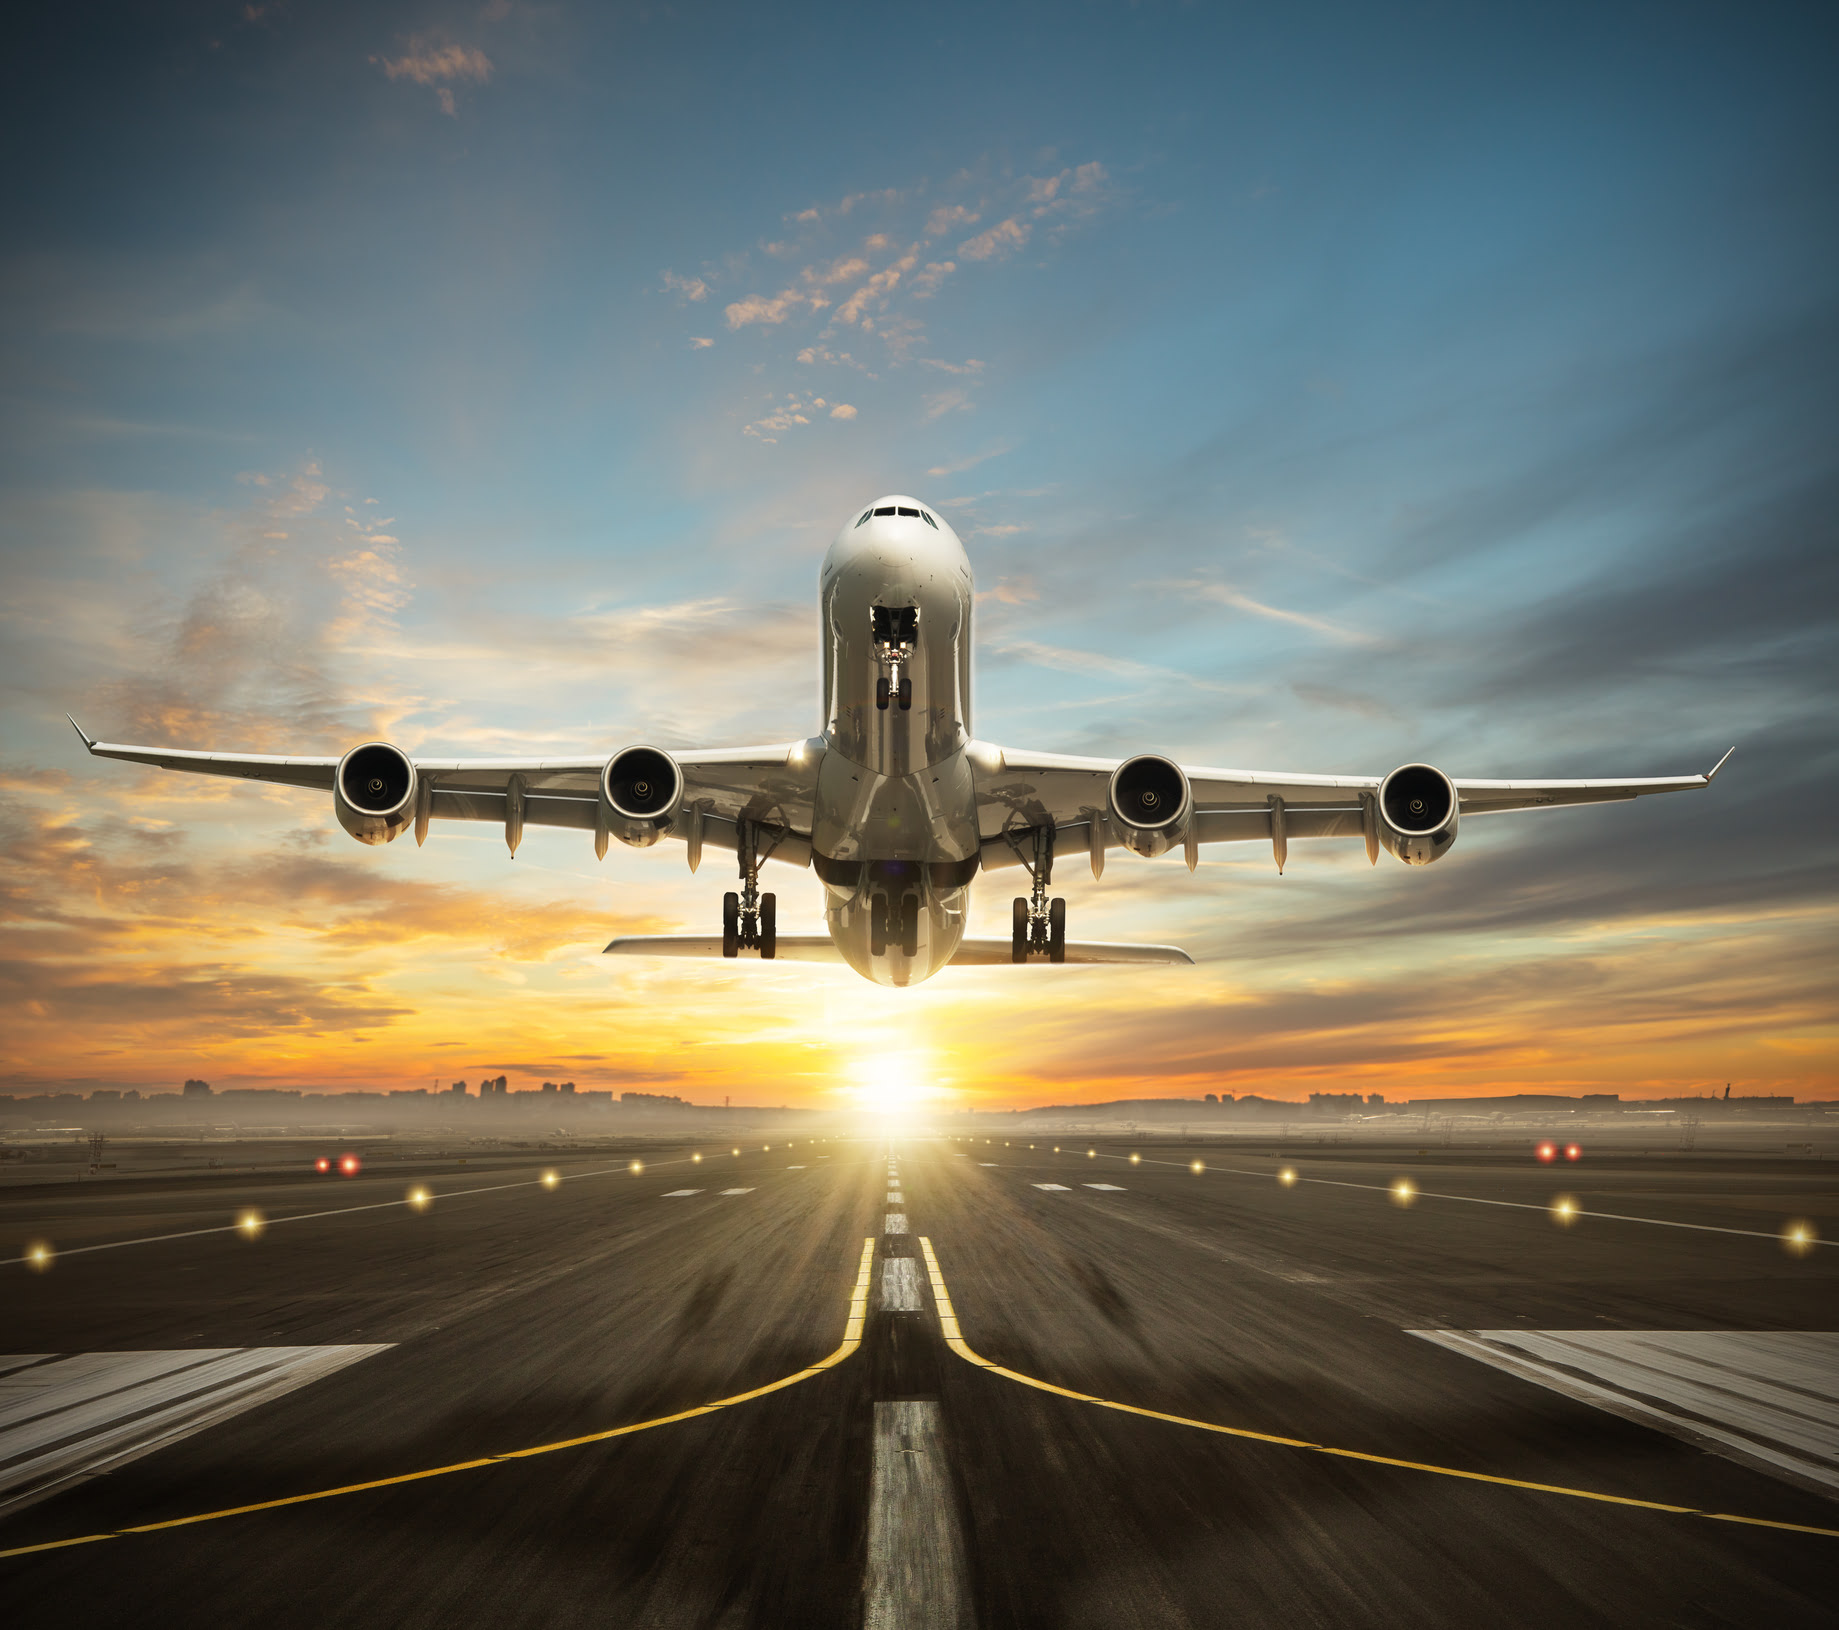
column 1404, row 1191
column 419, row 1198
column 1287, row 1177
column 1564, row 1210
column 249, row 1224
column 1799, row 1237
column 39, row 1255
column 1136, row 1160
column 551, row 1179
column 1091, row 1154
column 636, row 1167
column 1197, row 1167
column 696, row 1159
column 734, row 1151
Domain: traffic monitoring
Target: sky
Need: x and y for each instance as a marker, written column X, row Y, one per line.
column 1316, row 388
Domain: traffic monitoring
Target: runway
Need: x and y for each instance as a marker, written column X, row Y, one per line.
column 925, row 1382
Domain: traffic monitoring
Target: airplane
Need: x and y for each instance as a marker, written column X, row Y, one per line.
column 894, row 803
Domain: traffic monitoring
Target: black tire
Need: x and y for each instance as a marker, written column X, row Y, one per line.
column 909, row 925
column 878, row 925
column 1056, row 930
column 731, row 925
column 769, row 926
column 881, row 693
column 906, row 695
column 1018, row 949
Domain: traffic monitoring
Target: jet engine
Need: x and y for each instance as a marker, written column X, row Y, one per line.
column 1417, row 809
column 641, row 791
column 1150, row 804
column 373, row 792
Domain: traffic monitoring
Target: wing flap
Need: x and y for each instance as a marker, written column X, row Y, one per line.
column 993, row 953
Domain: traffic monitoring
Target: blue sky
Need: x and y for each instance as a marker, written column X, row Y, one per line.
column 1315, row 388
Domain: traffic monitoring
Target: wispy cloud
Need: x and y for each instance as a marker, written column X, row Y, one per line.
column 439, row 66
column 690, row 288
column 1002, row 239
column 1226, row 595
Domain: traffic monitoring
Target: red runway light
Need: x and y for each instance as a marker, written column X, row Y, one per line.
column 1573, row 1150
column 1547, row 1152
column 348, row 1164
column 322, row 1164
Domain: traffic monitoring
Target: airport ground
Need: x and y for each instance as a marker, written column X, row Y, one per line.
column 897, row 1480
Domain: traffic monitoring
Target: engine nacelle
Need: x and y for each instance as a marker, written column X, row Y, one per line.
column 373, row 792
column 1417, row 809
column 641, row 791
column 1150, row 804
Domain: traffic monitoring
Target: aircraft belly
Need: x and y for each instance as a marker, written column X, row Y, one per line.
column 896, row 855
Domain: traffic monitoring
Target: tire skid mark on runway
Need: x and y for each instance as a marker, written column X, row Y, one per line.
column 852, row 1339
column 1477, row 1200
column 954, row 1339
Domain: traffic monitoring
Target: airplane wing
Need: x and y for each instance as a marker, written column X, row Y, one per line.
column 1019, row 791
column 773, row 786
column 972, row 953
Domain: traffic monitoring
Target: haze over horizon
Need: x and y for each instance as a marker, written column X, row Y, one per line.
column 1317, row 389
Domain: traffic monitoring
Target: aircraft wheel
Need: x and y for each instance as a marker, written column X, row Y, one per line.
column 906, row 695
column 881, row 693
column 909, row 925
column 769, row 926
column 1056, row 930
column 878, row 925
column 731, row 925
column 1018, row 949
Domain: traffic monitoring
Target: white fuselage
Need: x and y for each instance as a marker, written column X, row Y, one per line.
column 894, row 836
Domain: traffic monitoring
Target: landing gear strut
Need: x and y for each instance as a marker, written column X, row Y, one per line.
column 1039, row 923
column 750, row 919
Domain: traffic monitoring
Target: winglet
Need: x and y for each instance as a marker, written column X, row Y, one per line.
column 89, row 741
column 1711, row 774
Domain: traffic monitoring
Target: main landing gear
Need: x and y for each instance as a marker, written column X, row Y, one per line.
column 893, row 921
column 750, row 919
column 1040, row 923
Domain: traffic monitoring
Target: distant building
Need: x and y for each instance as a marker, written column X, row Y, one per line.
column 197, row 1089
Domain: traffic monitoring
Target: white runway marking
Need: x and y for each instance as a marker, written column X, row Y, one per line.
column 1768, row 1398
column 64, row 1419
column 737, row 1191
column 794, row 1168
column 986, row 1163
column 1054, row 1188
column 900, row 1285
column 1109, row 1188
column 681, row 1194
column 916, row 1570
column 895, row 1197
column 896, row 1223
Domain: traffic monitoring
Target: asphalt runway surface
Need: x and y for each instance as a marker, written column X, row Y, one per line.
column 894, row 1479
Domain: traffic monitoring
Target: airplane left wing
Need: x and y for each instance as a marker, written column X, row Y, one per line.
column 1019, row 793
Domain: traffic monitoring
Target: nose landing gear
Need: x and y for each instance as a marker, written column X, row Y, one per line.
column 1039, row 925
column 750, row 919
column 893, row 921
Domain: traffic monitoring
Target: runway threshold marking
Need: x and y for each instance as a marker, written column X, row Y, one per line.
column 852, row 1339
column 954, row 1339
column 1478, row 1200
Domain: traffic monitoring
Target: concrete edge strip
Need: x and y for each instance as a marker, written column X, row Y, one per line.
column 954, row 1339
column 852, row 1339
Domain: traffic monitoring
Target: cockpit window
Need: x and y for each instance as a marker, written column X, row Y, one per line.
column 865, row 515
column 929, row 520
column 888, row 511
column 913, row 512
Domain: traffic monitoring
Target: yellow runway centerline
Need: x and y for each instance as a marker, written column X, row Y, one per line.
column 852, row 1339
column 954, row 1338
